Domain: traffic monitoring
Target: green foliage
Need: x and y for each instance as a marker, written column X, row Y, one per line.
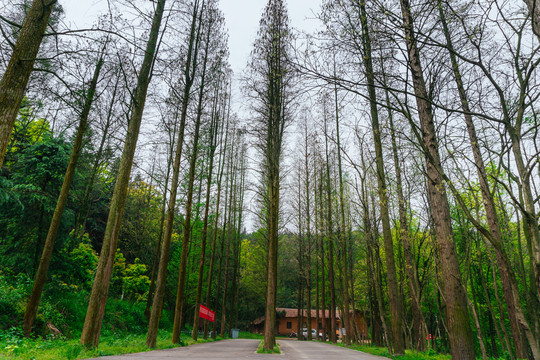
column 141, row 223
column 136, row 283
column 119, row 266
column 81, row 262
column 249, row 335
column 13, row 292
column 275, row 349
column 33, row 182
column 124, row 317
column 409, row 354
column 14, row 346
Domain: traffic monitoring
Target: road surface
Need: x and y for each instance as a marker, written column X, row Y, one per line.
column 246, row 349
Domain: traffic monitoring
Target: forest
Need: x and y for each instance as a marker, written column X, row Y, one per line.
column 385, row 164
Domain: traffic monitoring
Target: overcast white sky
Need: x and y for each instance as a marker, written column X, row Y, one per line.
column 241, row 16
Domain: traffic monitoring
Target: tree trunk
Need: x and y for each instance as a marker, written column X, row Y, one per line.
column 41, row 275
column 214, row 128
column 419, row 323
column 83, row 211
column 96, row 307
column 329, row 224
column 19, row 68
column 534, row 12
column 221, row 167
column 345, row 274
column 227, row 233
column 396, row 306
column 190, row 67
column 179, row 308
column 460, row 334
column 308, row 239
column 508, row 280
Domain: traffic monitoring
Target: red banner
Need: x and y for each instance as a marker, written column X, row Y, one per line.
column 206, row 313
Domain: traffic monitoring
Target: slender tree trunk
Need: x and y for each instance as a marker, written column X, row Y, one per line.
column 419, row 324
column 189, row 72
column 84, row 208
column 179, row 308
column 473, row 304
column 20, row 66
column 221, row 167
column 308, row 238
column 226, row 237
column 396, row 306
column 238, row 237
column 343, row 237
column 155, row 263
column 96, row 307
column 229, row 230
column 214, row 128
column 496, row 323
column 508, row 280
column 321, row 317
column 460, row 334
column 226, row 208
column 329, row 224
column 41, row 275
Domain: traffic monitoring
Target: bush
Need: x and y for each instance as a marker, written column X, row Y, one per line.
column 13, row 294
column 124, row 316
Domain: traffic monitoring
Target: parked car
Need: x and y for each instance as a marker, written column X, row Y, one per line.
column 313, row 333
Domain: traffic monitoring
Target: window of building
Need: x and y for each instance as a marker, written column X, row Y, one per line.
column 289, row 325
column 320, row 325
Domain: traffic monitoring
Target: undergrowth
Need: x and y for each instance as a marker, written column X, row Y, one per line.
column 261, row 350
column 14, row 346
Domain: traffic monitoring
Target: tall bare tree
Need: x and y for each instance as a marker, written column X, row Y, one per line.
column 270, row 86
column 459, row 329
column 98, row 298
column 190, row 67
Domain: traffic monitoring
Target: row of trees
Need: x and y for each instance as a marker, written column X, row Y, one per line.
column 189, row 204
column 412, row 197
column 422, row 78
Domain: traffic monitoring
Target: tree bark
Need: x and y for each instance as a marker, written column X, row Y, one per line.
column 459, row 330
column 396, row 307
column 214, row 128
column 179, row 308
column 20, row 66
column 221, row 167
column 96, row 307
column 330, row 230
column 41, row 275
column 189, row 72
column 345, row 274
column 508, row 280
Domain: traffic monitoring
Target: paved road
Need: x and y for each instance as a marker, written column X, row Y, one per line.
column 246, row 349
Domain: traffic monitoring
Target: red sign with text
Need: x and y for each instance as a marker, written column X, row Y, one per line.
column 206, row 313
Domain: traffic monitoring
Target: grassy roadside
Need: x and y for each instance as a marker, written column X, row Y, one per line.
column 248, row 335
column 409, row 354
column 64, row 349
column 275, row 350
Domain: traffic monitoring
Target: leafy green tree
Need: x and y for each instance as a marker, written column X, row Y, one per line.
column 135, row 282
column 30, row 187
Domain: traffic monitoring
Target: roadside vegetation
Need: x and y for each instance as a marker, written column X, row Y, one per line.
column 262, row 350
column 14, row 346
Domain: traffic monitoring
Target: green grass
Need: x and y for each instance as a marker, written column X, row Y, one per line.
column 248, row 335
column 64, row 349
column 409, row 354
column 260, row 349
